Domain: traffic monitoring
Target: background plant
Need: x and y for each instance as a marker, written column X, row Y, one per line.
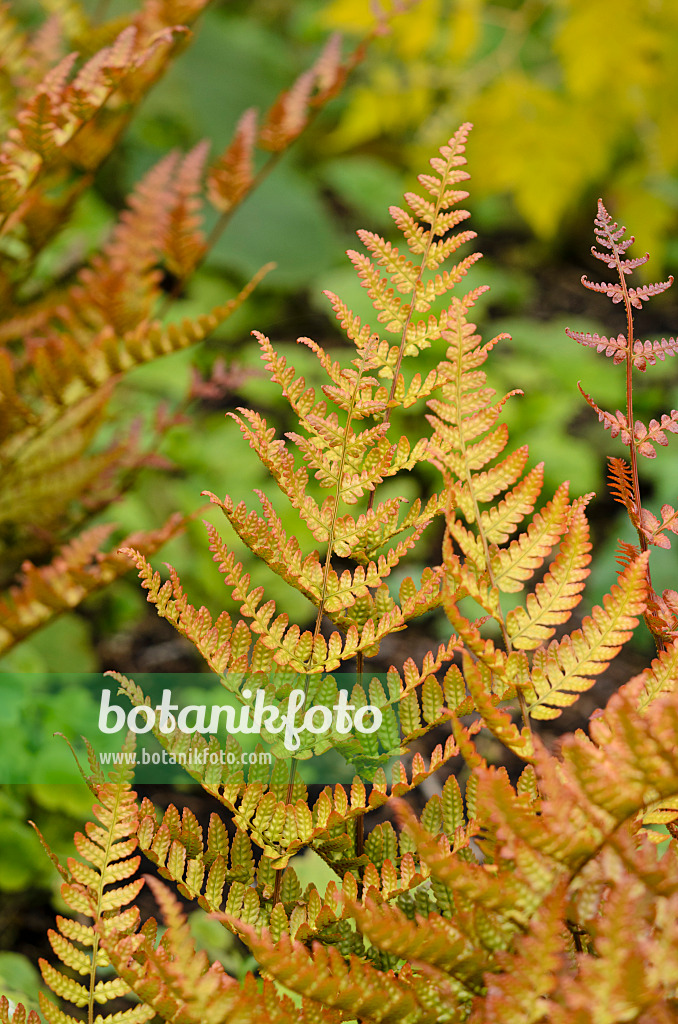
column 300, row 216
column 67, row 344
column 532, row 75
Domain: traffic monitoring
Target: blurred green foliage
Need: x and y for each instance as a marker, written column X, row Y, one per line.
column 570, row 98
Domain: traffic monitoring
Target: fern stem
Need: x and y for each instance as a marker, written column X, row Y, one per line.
column 323, row 594
column 633, row 454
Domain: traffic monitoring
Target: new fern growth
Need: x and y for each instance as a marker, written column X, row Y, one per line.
column 542, row 900
column 640, row 438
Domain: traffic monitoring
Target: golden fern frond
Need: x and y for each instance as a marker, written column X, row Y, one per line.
column 569, row 666
column 642, row 992
column 326, row 977
column 269, row 541
column 560, row 590
column 92, row 891
column 513, row 566
column 232, row 176
column 350, row 462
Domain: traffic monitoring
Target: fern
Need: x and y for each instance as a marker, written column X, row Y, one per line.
column 468, row 446
column 91, row 890
column 542, row 899
column 66, row 346
column 350, row 464
column 640, row 438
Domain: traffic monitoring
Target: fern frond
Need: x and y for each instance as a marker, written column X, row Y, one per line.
column 218, row 642
column 92, row 890
column 643, row 438
column 18, row 1014
column 290, row 113
column 617, row 348
column 177, row 980
column 644, row 352
column 231, row 176
column 122, row 282
column 80, row 568
column 326, row 977
column 654, row 529
column 621, row 485
column 569, row 666
column 512, row 566
column 503, row 519
column 173, row 977
column 659, row 678
column 184, row 244
column 530, row 974
column 650, row 351
column 558, row 593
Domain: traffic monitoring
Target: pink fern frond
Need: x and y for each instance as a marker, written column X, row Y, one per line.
column 613, row 291
column 650, row 351
column 639, row 295
column 616, row 348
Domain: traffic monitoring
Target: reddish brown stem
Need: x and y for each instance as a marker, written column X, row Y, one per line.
column 630, row 422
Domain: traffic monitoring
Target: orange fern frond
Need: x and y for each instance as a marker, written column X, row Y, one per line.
column 232, row 175
column 558, row 593
column 184, row 244
column 80, row 568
